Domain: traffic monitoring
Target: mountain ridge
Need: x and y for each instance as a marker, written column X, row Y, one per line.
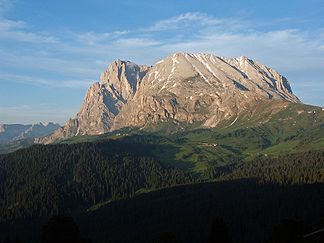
column 183, row 87
column 15, row 132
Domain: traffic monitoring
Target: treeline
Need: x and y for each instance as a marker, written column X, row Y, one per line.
column 47, row 180
column 300, row 168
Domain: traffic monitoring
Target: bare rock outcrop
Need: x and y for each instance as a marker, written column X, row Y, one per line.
column 102, row 102
column 183, row 87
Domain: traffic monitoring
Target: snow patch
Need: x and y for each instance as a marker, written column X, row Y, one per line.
column 232, row 122
column 174, row 62
column 198, row 71
column 169, row 79
column 78, row 131
column 159, row 62
column 156, row 74
column 205, row 63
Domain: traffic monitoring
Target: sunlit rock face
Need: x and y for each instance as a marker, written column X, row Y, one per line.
column 183, row 87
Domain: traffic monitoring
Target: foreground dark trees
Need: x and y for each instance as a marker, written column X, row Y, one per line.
column 251, row 212
column 289, row 231
column 48, row 180
column 218, row 232
column 62, row 229
column 101, row 185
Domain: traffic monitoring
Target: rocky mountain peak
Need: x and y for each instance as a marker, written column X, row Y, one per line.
column 122, row 78
column 185, row 87
column 241, row 72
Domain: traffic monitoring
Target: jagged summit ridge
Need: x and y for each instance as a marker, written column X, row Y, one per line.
column 184, row 87
column 121, row 78
column 222, row 72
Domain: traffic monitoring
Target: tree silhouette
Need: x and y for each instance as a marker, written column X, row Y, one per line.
column 218, row 232
column 61, row 229
column 289, row 230
column 167, row 237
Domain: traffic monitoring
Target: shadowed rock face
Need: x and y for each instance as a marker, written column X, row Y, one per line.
column 183, row 87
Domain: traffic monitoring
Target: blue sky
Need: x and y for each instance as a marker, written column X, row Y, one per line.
column 51, row 51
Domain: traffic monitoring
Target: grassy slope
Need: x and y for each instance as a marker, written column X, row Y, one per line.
column 294, row 129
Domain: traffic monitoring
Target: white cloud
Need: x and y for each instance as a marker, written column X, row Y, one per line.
column 7, row 24
column 91, row 38
column 17, row 31
column 177, row 21
column 297, row 54
column 136, row 42
column 287, row 50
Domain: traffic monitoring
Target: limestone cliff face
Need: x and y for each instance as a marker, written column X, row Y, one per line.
column 121, row 79
column 102, row 102
column 202, row 87
column 183, row 87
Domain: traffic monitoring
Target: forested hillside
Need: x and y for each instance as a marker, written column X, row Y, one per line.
column 46, row 180
column 88, row 180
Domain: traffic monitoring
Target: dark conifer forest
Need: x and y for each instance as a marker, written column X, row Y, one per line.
column 118, row 191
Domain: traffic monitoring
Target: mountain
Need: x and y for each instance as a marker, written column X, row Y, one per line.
column 13, row 136
column 201, row 89
column 155, row 154
column 14, row 132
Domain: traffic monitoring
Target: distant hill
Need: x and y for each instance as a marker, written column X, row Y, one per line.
column 14, row 136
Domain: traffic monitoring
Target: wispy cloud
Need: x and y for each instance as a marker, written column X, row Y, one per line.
column 80, row 57
column 136, row 42
column 178, row 22
column 91, row 38
column 17, row 31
